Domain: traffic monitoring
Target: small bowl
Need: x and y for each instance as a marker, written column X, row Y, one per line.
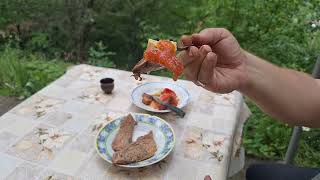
column 107, row 85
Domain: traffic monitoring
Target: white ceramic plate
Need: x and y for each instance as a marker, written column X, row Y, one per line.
column 162, row 132
column 154, row 87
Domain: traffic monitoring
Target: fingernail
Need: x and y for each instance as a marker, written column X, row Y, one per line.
column 190, row 53
column 203, row 49
column 194, row 35
column 184, row 37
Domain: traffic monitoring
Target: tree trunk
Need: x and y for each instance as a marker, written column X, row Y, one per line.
column 80, row 23
column 71, row 11
column 19, row 35
column 82, row 51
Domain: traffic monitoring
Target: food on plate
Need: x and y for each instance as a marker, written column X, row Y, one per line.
column 148, row 100
column 169, row 96
column 124, row 136
column 143, row 148
column 159, row 53
column 127, row 151
column 166, row 95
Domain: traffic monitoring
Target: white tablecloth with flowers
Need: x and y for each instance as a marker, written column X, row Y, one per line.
column 51, row 134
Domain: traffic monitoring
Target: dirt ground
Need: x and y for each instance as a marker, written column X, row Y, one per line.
column 6, row 103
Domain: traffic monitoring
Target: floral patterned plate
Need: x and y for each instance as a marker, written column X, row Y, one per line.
column 162, row 133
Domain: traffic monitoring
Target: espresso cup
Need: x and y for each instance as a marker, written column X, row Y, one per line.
column 107, row 85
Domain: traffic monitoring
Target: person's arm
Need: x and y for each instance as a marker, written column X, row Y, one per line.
column 221, row 66
column 287, row 95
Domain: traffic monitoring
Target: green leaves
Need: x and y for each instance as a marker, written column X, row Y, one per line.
column 39, row 42
column 98, row 56
column 266, row 138
column 22, row 76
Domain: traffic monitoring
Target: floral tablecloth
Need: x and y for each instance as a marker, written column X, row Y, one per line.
column 51, row 134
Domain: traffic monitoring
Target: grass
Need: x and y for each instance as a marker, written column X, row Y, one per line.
column 23, row 75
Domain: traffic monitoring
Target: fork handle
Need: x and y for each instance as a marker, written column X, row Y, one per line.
column 182, row 48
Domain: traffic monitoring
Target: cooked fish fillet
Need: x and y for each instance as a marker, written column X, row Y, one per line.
column 146, row 99
column 124, row 135
column 142, row 149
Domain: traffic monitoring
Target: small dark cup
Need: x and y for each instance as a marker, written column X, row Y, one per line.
column 107, row 85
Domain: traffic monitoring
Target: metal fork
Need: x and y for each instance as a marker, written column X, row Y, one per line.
column 181, row 47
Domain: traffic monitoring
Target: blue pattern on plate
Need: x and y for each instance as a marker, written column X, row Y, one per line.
column 109, row 127
column 102, row 150
column 101, row 138
column 153, row 120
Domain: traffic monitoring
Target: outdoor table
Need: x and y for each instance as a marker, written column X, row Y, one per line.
column 51, row 135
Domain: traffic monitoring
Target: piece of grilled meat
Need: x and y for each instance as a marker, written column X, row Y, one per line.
column 124, row 136
column 149, row 101
column 142, row 149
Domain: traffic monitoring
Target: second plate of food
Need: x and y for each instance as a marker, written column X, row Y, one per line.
column 162, row 134
column 165, row 91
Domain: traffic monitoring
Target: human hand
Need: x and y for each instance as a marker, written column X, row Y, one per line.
column 218, row 65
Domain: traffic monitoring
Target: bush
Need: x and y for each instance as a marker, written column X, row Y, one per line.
column 14, row 76
column 98, row 56
column 22, row 75
column 259, row 135
column 267, row 138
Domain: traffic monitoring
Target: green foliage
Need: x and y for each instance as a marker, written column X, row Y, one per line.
column 266, row 138
column 24, row 75
column 98, row 56
column 13, row 76
column 278, row 31
column 308, row 154
column 39, row 42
